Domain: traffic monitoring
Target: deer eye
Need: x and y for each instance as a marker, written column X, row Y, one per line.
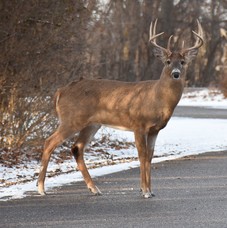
column 182, row 62
column 168, row 61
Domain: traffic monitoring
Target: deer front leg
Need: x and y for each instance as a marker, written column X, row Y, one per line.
column 141, row 144
column 83, row 139
column 151, row 139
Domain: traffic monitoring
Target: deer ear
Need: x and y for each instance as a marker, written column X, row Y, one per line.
column 191, row 54
column 160, row 54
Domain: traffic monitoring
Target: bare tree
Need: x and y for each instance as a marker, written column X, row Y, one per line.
column 42, row 46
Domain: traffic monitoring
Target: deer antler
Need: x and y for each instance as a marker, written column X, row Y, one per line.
column 199, row 41
column 153, row 36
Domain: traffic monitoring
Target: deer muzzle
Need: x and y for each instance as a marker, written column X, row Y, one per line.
column 176, row 73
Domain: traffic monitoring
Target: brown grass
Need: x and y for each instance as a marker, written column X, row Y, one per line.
column 223, row 85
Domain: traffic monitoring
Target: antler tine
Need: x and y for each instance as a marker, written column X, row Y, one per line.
column 199, row 33
column 182, row 44
column 169, row 42
column 153, row 35
column 154, row 28
column 199, row 41
column 200, row 30
column 151, row 30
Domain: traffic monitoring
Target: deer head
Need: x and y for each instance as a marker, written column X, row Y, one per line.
column 175, row 62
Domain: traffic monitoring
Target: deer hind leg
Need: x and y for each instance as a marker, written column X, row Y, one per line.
column 57, row 138
column 85, row 136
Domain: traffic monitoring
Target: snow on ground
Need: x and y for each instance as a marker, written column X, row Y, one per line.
column 204, row 97
column 181, row 137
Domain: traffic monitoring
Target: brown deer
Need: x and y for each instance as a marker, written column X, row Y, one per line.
column 142, row 107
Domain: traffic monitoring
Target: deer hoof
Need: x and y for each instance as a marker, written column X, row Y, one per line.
column 42, row 193
column 147, row 195
column 95, row 190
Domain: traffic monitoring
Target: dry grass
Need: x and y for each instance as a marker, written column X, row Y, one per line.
column 223, row 84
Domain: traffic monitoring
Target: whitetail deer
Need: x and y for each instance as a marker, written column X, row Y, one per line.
column 142, row 107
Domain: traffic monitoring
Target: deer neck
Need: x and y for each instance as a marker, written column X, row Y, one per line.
column 169, row 89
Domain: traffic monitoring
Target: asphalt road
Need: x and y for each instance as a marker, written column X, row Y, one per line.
column 190, row 192
column 200, row 112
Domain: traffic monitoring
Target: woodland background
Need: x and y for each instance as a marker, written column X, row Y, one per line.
column 45, row 44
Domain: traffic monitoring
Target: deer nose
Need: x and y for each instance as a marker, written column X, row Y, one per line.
column 176, row 73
